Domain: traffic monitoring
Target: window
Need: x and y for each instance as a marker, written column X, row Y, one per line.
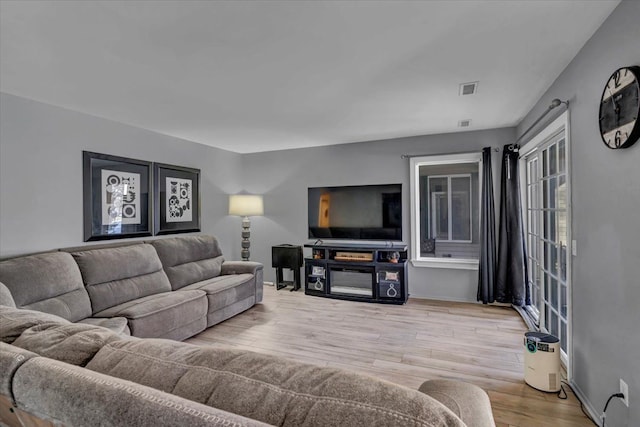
column 445, row 200
column 449, row 207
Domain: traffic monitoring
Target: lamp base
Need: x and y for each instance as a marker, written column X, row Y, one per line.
column 246, row 233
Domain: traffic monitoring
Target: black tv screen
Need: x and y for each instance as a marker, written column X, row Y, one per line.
column 358, row 212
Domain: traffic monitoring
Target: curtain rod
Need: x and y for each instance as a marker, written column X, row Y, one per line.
column 409, row 156
column 554, row 103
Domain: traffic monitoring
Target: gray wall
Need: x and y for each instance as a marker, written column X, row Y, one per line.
column 284, row 176
column 41, row 173
column 606, row 205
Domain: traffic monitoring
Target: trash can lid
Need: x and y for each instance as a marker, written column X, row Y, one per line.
column 541, row 337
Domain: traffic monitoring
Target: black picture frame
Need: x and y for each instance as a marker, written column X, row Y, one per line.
column 178, row 209
column 116, row 197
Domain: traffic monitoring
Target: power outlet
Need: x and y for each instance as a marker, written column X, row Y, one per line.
column 624, row 389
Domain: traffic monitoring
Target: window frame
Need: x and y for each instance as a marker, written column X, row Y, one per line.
column 414, row 186
column 539, row 142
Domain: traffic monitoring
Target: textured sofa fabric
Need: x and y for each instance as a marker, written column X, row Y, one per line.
column 226, row 295
column 71, row 343
column 467, row 401
column 11, row 358
column 246, row 267
column 267, row 388
column 119, row 325
column 52, row 336
column 127, row 289
column 129, row 282
column 174, row 315
column 13, row 322
column 196, row 263
column 5, row 296
column 190, row 259
column 117, row 275
column 49, row 282
column 74, row 396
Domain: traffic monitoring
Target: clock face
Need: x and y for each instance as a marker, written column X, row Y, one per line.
column 619, row 109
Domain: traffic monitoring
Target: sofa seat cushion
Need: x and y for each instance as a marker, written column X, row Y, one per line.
column 267, row 388
column 225, row 290
column 227, row 295
column 73, row 343
column 48, row 282
column 119, row 325
column 14, row 321
column 117, row 275
column 163, row 315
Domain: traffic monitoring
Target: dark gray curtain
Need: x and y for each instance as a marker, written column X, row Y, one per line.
column 511, row 284
column 487, row 269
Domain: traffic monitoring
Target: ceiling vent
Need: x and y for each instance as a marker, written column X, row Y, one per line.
column 464, row 123
column 468, row 88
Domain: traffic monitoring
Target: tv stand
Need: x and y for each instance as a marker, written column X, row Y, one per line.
column 357, row 272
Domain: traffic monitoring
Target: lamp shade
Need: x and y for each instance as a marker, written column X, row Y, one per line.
column 245, row 205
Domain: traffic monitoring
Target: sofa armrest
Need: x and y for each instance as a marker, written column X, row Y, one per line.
column 240, row 267
column 11, row 358
column 6, row 298
column 243, row 267
column 468, row 401
column 82, row 397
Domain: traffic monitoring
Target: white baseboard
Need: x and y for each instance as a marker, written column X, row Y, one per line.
column 585, row 402
column 437, row 298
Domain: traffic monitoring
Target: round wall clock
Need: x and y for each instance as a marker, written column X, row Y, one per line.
column 620, row 107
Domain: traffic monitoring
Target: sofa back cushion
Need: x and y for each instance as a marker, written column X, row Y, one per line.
column 264, row 388
column 189, row 259
column 117, row 275
column 48, row 282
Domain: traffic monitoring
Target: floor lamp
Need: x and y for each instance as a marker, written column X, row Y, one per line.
column 245, row 205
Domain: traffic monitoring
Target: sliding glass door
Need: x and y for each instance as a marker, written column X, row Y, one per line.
column 548, row 231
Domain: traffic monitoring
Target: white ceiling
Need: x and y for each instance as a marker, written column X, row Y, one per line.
column 268, row 75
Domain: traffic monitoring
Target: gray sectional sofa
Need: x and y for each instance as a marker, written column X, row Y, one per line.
column 168, row 288
column 74, row 374
column 91, row 351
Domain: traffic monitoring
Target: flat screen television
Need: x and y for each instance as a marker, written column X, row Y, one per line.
column 356, row 212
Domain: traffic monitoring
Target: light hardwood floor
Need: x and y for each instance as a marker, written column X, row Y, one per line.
column 405, row 344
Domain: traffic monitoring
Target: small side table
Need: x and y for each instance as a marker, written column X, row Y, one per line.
column 287, row 256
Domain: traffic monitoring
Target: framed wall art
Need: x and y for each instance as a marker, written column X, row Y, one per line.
column 116, row 197
column 176, row 199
